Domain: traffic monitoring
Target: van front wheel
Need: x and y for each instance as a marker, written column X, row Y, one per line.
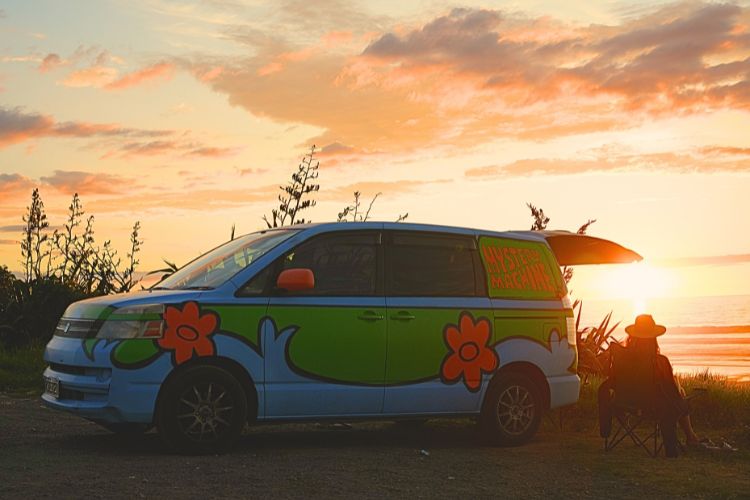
column 512, row 410
column 202, row 410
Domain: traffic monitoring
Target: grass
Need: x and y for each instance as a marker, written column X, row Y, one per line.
column 21, row 370
column 723, row 412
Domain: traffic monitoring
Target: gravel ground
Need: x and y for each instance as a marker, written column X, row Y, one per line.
column 48, row 454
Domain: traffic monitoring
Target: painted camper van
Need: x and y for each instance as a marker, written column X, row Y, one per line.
column 337, row 321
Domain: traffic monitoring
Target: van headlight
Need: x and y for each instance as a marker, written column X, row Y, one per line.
column 134, row 322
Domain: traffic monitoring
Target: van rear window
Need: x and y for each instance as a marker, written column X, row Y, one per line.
column 519, row 269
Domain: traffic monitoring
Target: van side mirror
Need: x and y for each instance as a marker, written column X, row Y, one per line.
column 294, row 280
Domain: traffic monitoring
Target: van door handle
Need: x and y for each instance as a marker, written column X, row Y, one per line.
column 370, row 316
column 403, row 316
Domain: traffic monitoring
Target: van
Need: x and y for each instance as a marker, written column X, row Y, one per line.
column 340, row 321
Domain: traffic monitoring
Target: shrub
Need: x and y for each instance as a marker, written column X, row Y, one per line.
column 29, row 311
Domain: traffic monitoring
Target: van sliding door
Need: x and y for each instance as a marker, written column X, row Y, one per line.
column 435, row 298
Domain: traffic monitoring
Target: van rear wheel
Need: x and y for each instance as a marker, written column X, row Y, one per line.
column 202, row 410
column 512, row 410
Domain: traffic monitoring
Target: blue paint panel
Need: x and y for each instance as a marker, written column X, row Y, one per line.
column 433, row 397
column 109, row 394
column 328, row 301
column 457, row 303
column 505, row 304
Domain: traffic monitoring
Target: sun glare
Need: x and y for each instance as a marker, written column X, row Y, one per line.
column 638, row 283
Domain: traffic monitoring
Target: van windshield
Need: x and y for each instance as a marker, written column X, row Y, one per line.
column 217, row 266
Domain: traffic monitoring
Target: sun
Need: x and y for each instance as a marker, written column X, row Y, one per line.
column 638, row 282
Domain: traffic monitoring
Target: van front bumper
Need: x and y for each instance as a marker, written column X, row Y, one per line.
column 97, row 390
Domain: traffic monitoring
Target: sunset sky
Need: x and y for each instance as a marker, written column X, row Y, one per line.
column 187, row 116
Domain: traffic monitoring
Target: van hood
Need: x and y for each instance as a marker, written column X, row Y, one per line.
column 572, row 249
column 98, row 308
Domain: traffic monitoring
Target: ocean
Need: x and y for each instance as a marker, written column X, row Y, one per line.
column 702, row 332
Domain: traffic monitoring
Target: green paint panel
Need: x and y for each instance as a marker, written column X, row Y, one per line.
column 134, row 351
column 134, row 317
column 333, row 343
column 416, row 348
column 241, row 320
column 519, row 269
column 550, row 314
column 531, row 328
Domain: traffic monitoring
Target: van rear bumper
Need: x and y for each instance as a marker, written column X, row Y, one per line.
column 563, row 390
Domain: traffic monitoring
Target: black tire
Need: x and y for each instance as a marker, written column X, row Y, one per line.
column 124, row 429
column 202, row 410
column 512, row 410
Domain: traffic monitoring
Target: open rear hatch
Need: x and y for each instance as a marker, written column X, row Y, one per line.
column 573, row 249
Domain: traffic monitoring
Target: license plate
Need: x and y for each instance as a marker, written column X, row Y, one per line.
column 52, row 387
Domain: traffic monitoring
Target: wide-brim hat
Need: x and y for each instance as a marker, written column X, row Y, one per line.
column 645, row 327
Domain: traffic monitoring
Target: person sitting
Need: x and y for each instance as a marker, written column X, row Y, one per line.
column 670, row 403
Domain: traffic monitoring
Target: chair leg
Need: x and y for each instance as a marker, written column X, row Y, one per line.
column 627, row 427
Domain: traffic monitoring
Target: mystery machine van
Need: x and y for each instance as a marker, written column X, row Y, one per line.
column 337, row 321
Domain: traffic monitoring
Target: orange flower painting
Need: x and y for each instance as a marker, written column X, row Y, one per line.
column 188, row 332
column 469, row 355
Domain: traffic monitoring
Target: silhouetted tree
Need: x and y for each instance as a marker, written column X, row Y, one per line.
column 540, row 224
column 33, row 245
column 296, row 194
column 354, row 212
column 540, row 221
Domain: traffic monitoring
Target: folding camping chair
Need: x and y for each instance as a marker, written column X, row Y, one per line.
column 633, row 401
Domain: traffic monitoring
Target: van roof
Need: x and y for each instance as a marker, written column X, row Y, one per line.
column 569, row 248
column 323, row 226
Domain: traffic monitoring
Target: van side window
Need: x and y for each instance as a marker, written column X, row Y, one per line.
column 258, row 285
column 343, row 263
column 430, row 265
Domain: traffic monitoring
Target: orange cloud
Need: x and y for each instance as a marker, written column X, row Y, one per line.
column 137, row 196
column 86, row 182
column 211, row 74
column 170, row 146
column 211, row 152
column 657, row 64
column 17, row 126
column 371, row 188
column 333, row 38
column 609, row 160
column 94, row 76
column 50, row 62
column 199, row 199
column 335, row 149
column 159, row 71
column 14, row 186
column 150, row 148
column 476, row 75
column 725, row 150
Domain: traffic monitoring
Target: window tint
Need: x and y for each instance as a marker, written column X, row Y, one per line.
column 343, row 264
column 430, row 265
column 258, row 285
column 217, row 266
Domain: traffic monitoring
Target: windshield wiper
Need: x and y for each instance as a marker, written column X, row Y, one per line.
column 158, row 288
column 197, row 288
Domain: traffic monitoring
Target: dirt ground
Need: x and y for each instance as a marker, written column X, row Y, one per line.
column 48, row 454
